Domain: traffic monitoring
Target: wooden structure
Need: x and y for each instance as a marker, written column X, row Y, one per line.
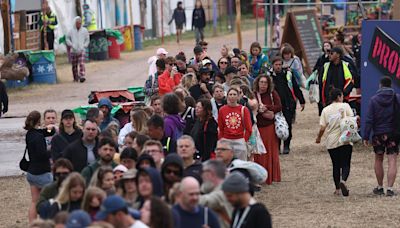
column 26, row 30
column 303, row 31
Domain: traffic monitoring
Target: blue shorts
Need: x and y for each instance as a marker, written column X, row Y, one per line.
column 39, row 180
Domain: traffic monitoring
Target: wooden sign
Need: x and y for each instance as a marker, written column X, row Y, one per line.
column 303, row 31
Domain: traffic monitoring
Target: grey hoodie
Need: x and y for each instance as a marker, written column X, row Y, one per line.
column 78, row 40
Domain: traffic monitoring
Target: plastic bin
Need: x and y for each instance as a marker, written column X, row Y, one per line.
column 137, row 29
column 114, row 51
column 17, row 83
column 127, row 33
column 43, row 68
column 98, row 46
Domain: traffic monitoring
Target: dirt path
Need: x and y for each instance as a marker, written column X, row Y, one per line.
column 304, row 198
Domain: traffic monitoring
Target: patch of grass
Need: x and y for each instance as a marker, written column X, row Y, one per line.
column 248, row 22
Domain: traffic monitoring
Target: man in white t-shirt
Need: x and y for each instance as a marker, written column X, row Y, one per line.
column 114, row 210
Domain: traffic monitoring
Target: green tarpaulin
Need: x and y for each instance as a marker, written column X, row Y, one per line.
column 34, row 56
column 62, row 40
column 138, row 92
column 82, row 110
column 117, row 34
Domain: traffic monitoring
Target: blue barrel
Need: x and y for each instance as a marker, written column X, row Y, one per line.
column 17, row 83
column 138, row 37
column 43, row 68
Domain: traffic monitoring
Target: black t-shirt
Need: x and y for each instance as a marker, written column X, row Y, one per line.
column 196, row 92
column 258, row 216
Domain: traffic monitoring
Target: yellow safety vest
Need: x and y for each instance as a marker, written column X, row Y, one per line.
column 93, row 23
column 50, row 21
column 348, row 78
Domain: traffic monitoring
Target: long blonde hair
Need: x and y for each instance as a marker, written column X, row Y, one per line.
column 139, row 119
column 188, row 80
column 73, row 180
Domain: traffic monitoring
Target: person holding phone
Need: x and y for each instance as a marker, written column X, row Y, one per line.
column 170, row 78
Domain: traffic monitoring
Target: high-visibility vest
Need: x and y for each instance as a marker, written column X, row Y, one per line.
column 93, row 23
column 348, row 78
column 51, row 21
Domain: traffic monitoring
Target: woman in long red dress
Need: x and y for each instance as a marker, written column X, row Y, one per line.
column 269, row 104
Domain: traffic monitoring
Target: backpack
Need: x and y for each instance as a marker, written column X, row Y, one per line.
column 396, row 117
column 257, row 173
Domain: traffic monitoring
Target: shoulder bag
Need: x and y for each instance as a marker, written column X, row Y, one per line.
column 24, row 164
column 349, row 129
column 281, row 126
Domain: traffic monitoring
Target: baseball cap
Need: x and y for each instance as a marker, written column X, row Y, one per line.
column 204, row 70
column 110, row 205
column 67, row 113
column 205, row 62
column 230, row 69
column 130, row 174
column 120, row 168
column 161, row 51
column 337, row 50
column 78, row 219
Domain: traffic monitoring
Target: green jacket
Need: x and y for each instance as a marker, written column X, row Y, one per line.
column 89, row 170
column 48, row 192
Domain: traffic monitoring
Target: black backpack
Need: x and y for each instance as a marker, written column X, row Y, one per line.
column 396, row 117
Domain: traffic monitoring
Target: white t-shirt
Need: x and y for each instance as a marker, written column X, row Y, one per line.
column 138, row 224
column 330, row 118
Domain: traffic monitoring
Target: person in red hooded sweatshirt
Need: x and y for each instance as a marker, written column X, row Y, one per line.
column 170, row 78
column 234, row 123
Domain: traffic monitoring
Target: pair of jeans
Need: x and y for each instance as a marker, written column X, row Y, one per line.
column 199, row 34
column 341, row 159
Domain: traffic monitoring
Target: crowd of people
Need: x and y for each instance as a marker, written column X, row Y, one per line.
column 198, row 150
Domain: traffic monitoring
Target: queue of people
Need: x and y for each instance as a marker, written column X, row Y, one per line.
column 188, row 157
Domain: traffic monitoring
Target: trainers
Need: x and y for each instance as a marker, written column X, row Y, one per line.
column 378, row 191
column 345, row 191
column 82, row 80
column 390, row 193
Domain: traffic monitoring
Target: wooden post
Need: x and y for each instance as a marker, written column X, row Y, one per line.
column 396, row 10
column 78, row 8
column 131, row 25
column 5, row 13
column 238, row 18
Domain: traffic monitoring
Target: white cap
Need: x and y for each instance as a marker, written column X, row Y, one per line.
column 120, row 168
column 161, row 51
column 205, row 61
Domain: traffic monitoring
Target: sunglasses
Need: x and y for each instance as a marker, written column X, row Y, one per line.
column 172, row 64
column 59, row 174
column 175, row 172
column 223, row 62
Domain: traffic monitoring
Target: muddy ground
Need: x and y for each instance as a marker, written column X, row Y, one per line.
column 304, row 198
